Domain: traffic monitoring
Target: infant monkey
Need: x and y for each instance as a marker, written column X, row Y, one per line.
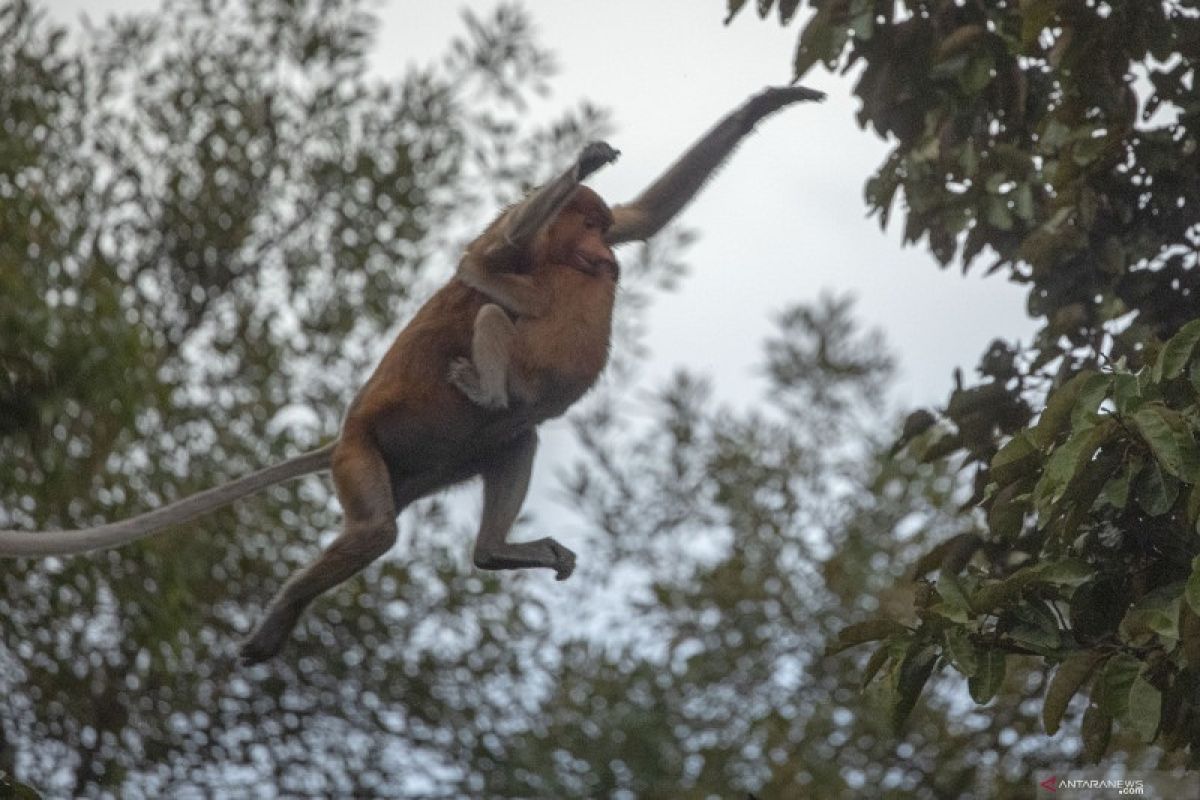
column 501, row 271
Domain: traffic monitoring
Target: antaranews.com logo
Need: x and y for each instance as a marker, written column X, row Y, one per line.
column 1121, row 786
column 1101, row 783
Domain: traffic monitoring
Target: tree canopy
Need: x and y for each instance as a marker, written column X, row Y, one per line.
column 1056, row 139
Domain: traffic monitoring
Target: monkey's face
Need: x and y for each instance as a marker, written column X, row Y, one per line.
column 576, row 237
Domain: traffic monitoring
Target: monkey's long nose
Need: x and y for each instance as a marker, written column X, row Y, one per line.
column 597, row 261
column 605, row 264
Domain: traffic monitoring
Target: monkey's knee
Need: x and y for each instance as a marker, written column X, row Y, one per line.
column 492, row 323
column 365, row 541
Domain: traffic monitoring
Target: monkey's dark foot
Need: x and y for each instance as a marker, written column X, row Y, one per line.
column 564, row 559
column 464, row 377
column 265, row 643
column 252, row 652
column 594, row 156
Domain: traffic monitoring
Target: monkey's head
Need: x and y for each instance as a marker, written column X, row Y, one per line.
column 576, row 236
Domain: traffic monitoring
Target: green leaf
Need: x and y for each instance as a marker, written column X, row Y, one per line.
column 1064, row 572
column 1054, row 417
column 1035, row 628
column 1189, row 635
column 1008, row 510
column 875, row 662
column 1145, row 708
column 1193, row 507
column 1091, row 395
column 734, row 7
column 1126, row 392
column 821, row 40
column 1192, row 589
column 997, row 213
column 863, row 25
column 1097, row 607
column 1067, row 572
column 1155, row 613
column 913, row 674
column 1112, row 687
column 1036, row 15
column 954, row 605
column 964, row 654
column 1152, row 423
column 1023, row 200
column 1116, row 491
column 871, row 630
column 1177, row 353
column 1015, row 458
column 1070, row 676
column 1095, row 732
column 989, row 677
column 895, row 692
column 1156, row 492
column 1066, row 463
column 787, row 10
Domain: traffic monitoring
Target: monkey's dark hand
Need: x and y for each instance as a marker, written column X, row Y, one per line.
column 774, row 98
column 594, row 156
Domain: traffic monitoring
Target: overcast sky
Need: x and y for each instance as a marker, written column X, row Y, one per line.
column 782, row 222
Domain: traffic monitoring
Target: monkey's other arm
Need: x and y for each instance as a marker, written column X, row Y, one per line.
column 493, row 261
column 657, row 205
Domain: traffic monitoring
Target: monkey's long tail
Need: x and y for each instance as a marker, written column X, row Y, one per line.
column 14, row 544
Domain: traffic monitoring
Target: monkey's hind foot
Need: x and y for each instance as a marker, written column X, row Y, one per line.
column 264, row 643
column 464, row 377
column 564, row 559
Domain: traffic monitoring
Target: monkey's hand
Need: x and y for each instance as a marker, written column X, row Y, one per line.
column 774, row 98
column 594, row 156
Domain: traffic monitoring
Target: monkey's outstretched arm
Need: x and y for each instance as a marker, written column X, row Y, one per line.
column 14, row 544
column 666, row 197
column 492, row 261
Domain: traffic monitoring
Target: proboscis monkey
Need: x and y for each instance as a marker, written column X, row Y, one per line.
column 410, row 432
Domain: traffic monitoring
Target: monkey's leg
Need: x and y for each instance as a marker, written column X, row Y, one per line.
column 505, row 482
column 364, row 488
column 483, row 378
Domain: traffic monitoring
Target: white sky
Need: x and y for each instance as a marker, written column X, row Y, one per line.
column 783, row 221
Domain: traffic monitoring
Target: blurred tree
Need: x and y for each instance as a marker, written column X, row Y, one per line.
column 1060, row 137
column 211, row 219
